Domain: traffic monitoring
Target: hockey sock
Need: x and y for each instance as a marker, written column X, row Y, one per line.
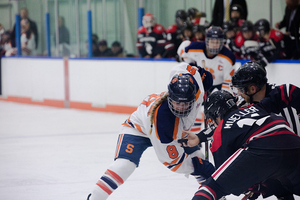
column 114, row 176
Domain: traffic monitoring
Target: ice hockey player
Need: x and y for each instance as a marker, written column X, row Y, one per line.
column 151, row 38
column 271, row 41
column 159, row 122
column 174, row 34
column 250, row 82
column 218, row 59
column 249, row 135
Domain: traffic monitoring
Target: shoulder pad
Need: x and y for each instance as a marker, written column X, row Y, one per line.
column 142, row 29
column 158, row 29
column 172, row 29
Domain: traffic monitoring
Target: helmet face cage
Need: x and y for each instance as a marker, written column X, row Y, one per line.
column 180, row 109
column 148, row 20
column 214, row 40
column 181, row 95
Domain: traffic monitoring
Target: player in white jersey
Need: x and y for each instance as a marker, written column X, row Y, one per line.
column 159, row 121
column 219, row 60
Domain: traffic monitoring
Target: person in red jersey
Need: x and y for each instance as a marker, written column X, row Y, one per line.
column 151, row 38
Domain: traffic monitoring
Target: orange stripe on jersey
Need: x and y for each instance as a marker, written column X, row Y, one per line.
column 175, row 128
column 172, row 163
column 174, row 169
column 227, row 81
column 200, row 120
column 138, row 127
column 232, row 72
column 119, row 145
column 221, row 55
column 195, row 129
column 195, row 50
column 104, row 187
column 155, row 122
column 224, row 86
column 114, row 176
column 197, row 94
column 125, row 124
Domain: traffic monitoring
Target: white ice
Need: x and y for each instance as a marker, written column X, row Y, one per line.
column 51, row 153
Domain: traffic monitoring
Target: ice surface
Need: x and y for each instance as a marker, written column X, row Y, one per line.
column 51, row 153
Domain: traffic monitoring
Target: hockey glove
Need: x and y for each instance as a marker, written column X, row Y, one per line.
column 202, row 167
column 207, row 133
column 256, row 190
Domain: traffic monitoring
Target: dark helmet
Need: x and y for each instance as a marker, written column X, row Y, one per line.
column 214, row 32
column 262, row 26
column 218, row 104
column 180, row 17
column 192, row 12
column 228, row 26
column 237, row 7
column 247, row 26
column 199, row 28
column 181, row 14
column 248, row 74
column 182, row 91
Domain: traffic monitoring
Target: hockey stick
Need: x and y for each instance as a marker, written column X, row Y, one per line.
column 206, row 156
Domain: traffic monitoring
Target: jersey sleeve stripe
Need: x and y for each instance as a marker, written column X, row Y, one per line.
column 120, row 139
column 175, row 128
column 283, row 97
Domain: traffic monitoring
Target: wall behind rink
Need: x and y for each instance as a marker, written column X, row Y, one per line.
column 112, row 85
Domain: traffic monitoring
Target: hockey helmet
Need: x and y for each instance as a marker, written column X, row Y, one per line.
column 262, row 26
column 148, row 20
column 214, row 39
column 180, row 17
column 182, row 93
column 247, row 26
column 192, row 12
column 250, row 73
column 228, row 26
column 238, row 8
column 218, row 104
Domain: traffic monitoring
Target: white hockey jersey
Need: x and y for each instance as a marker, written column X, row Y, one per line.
column 166, row 127
column 221, row 66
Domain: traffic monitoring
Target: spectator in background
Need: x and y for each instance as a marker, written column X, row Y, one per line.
column 104, row 50
column 291, row 22
column 64, row 35
column 174, row 34
column 27, row 39
column 236, row 15
column 193, row 15
column 24, row 15
column 187, row 32
column 151, row 38
column 6, row 47
column 246, row 42
column 230, row 32
column 199, row 32
column 221, row 11
column 270, row 42
column 116, row 49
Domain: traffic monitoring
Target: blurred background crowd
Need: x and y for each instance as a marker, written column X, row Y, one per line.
column 252, row 28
